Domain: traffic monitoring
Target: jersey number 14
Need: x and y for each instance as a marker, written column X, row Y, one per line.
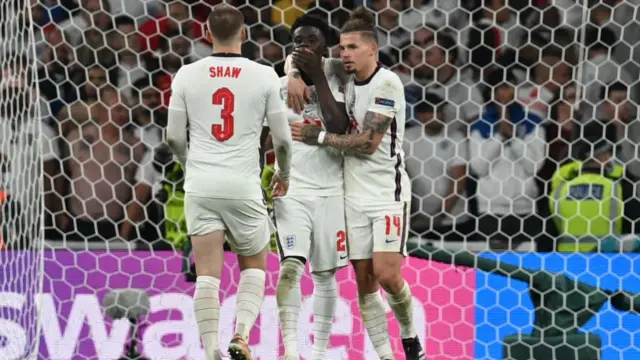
column 225, row 98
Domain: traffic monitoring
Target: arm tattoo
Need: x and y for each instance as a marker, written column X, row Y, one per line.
column 374, row 124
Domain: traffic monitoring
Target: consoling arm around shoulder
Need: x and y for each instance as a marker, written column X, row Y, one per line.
column 374, row 128
column 177, row 134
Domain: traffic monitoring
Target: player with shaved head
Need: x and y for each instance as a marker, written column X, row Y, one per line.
column 370, row 132
column 219, row 103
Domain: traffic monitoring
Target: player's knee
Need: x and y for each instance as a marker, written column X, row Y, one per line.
column 291, row 269
column 392, row 282
column 324, row 280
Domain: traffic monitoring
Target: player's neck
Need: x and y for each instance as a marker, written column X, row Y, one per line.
column 367, row 71
column 231, row 49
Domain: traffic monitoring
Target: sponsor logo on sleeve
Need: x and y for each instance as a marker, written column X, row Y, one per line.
column 385, row 102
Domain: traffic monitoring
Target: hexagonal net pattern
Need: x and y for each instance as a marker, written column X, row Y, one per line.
column 520, row 143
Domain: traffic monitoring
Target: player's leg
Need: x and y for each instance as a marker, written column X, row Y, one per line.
column 328, row 253
column 294, row 222
column 389, row 249
column 207, row 237
column 372, row 309
column 249, row 230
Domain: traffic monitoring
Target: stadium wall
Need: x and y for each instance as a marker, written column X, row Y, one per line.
column 452, row 324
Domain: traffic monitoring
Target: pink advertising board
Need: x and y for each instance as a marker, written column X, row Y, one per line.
column 75, row 327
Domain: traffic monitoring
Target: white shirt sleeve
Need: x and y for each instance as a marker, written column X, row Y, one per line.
column 387, row 97
column 273, row 101
column 177, row 101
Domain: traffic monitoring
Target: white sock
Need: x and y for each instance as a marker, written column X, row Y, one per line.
column 289, row 298
column 249, row 300
column 206, row 305
column 374, row 318
column 402, row 307
column 325, row 297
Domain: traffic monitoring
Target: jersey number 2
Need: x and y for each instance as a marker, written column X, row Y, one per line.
column 227, row 99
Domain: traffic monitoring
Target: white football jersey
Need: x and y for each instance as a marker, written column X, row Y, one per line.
column 315, row 170
column 226, row 98
column 381, row 176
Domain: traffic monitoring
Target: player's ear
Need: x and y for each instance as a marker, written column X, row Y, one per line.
column 243, row 34
column 373, row 48
column 209, row 37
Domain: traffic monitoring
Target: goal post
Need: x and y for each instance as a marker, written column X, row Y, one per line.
column 21, row 185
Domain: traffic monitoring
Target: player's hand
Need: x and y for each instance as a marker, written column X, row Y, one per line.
column 298, row 94
column 305, row 133
column 308, row 61
column 279, row 185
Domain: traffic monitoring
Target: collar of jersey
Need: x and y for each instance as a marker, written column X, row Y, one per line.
column 367, row 80
column 226, row 55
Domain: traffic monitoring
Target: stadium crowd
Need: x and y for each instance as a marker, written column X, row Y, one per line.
column 104, row 75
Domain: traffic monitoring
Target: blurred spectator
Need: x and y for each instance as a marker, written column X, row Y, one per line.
column 134, row 8
column 92, row 13
column 103, row 162
column 437, row 160
column 464, row 98
column 58, row 72
column 124, row 40
column 600, row 70
column 617, row 110
column 440, row 13
column 27, row 142
column 507, row 149
column 175, row 17
column 493, row 34
column 558, row 131
column 390, row 35
column 549, row 75
column 597, row 201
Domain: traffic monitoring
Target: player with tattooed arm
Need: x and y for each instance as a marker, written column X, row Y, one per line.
column 310, row 218
column 219, row 103
column 377, row 188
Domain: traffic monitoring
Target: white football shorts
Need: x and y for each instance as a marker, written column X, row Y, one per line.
column 377, row 227
column 312, row 228
column 246, row 224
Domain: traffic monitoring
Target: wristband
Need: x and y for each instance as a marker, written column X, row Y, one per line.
column 321, row 137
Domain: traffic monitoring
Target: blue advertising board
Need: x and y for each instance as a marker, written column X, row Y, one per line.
column 503, row 306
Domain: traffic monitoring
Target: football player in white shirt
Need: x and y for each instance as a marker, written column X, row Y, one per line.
column 310, row 219
column 221, row 102
column 377, row 188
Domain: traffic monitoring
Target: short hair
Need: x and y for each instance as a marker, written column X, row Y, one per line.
column 362, row 21
column 315, row 22
column 600, row 38
column 225, row 22
column 139, row 86
column 165, row 40
column 124, row 20
column 445, row 42
column 432, row 103
column 500, row 77
column 616, row 86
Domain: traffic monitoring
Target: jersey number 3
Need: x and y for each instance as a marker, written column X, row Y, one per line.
column 227, row 100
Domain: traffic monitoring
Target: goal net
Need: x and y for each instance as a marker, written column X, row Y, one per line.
column 21, row 192
column 520, row 141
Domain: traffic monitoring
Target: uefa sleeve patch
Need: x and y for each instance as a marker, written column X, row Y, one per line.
column 385, row 102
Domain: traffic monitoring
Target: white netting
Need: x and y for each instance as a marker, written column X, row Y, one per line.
column 21, row 192
column 482, row 181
